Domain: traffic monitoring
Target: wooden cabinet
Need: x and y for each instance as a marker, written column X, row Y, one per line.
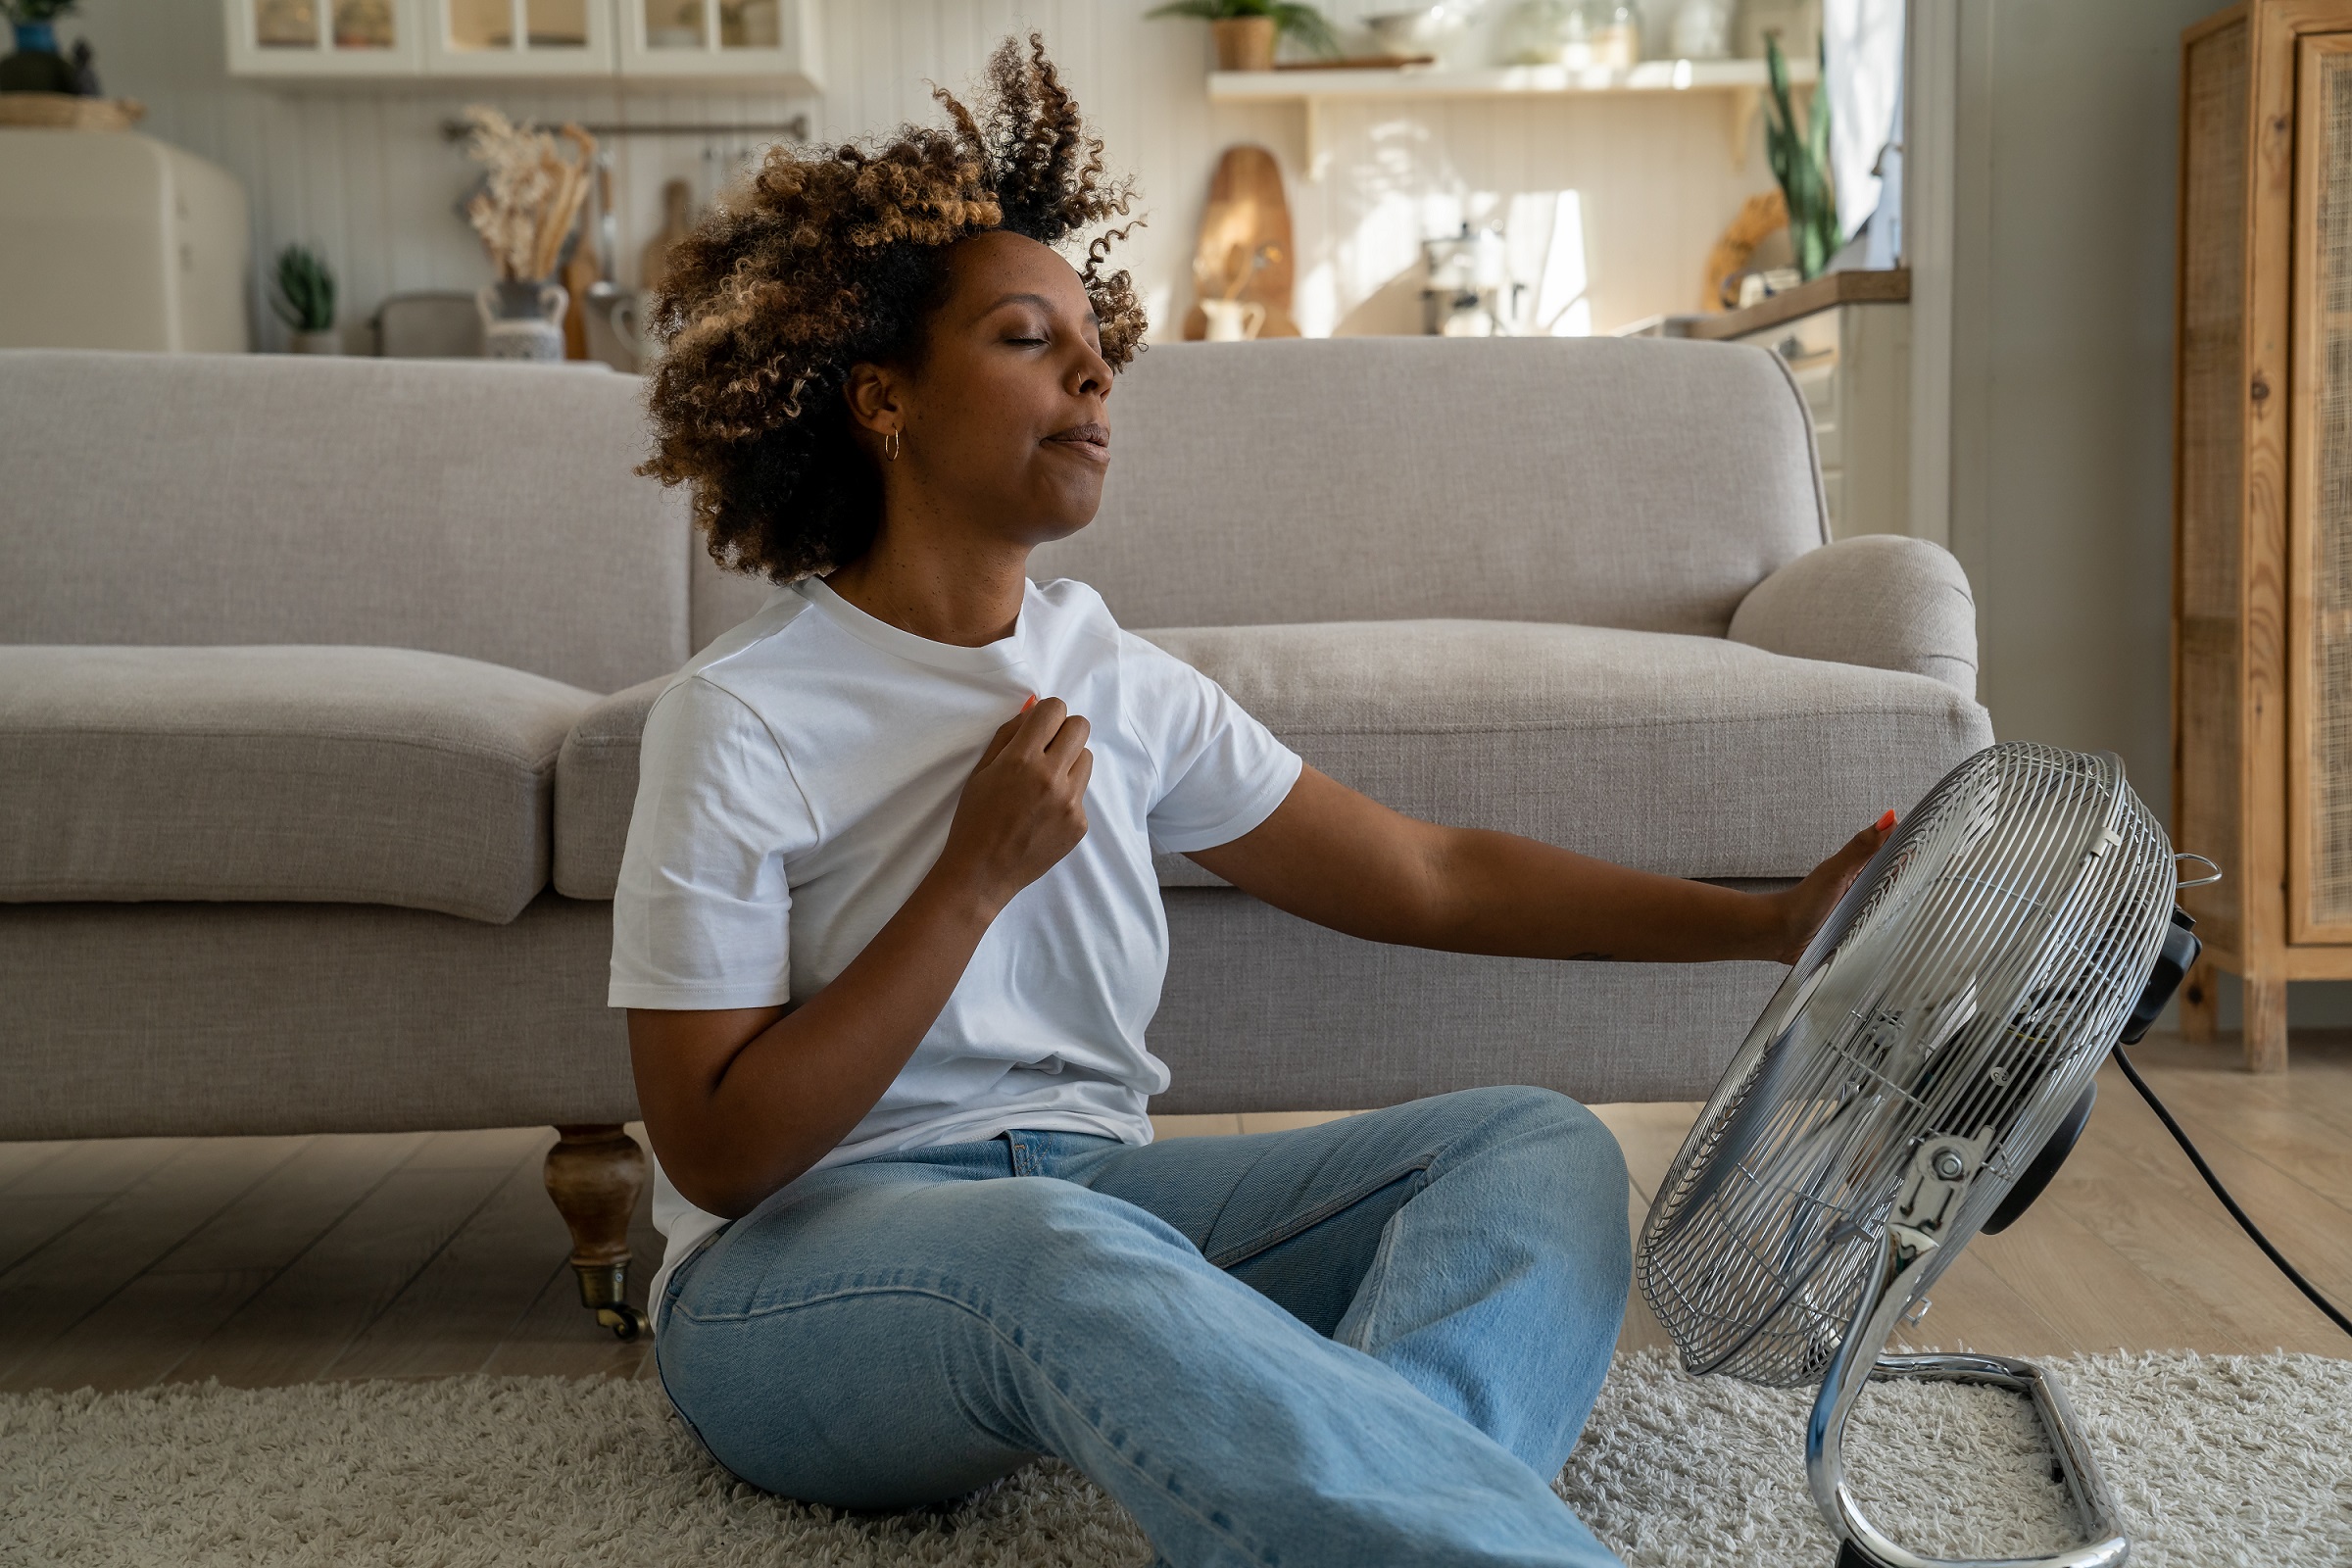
column 2262, row 596
column 774, row 42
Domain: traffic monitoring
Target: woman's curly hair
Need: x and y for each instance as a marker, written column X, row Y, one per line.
column 836, row 257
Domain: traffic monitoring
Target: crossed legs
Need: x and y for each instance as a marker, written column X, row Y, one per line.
column 1373, row 1341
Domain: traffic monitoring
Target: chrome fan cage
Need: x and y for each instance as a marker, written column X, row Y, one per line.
column 1969, row 985
column 1932, row 1039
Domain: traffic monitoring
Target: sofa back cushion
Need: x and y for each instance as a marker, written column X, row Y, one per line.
column 459, row 506
column 1639, row 483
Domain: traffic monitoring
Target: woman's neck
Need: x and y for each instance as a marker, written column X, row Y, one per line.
column 961, row 591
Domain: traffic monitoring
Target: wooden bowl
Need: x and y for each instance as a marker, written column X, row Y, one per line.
column 62, row 110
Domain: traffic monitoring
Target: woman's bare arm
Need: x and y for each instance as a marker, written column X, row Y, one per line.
column 739, row 1101
column 1334, row 856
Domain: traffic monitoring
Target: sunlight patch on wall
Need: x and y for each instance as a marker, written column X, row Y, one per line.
column 1547, row 239
column 1315, row 301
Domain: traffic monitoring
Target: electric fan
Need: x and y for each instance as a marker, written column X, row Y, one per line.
column 1917, row 1078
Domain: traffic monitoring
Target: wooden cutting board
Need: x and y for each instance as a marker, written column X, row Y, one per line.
column 1247, row 216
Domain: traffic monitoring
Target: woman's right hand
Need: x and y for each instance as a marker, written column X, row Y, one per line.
column 741, row 1102
column 1024, row 806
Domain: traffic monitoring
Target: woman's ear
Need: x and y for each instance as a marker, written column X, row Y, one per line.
column 873, row 394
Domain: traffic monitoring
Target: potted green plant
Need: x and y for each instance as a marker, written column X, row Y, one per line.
column 1244, row 31
column 1800, row 161
column 38, row 65
column 303, row 294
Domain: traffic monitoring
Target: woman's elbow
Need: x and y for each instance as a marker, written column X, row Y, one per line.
column 716, row 1187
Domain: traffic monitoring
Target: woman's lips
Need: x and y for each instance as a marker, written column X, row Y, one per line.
column 1091, row 440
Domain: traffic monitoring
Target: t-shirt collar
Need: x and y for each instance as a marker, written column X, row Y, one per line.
column 1003, row 654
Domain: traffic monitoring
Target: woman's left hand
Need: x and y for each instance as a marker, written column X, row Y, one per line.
column 1805, row 906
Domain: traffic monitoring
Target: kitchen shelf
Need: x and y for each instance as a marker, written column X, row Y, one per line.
column 1741, row 81
column 1501, row 81
column 1826, row 292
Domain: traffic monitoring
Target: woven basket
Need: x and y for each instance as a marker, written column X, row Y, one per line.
column 62, row 110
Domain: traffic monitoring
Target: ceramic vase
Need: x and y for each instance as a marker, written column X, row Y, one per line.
column 522, row 320
column 327, row 341
column 37, row 65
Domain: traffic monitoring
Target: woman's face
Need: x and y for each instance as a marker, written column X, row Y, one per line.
column 1003, row 422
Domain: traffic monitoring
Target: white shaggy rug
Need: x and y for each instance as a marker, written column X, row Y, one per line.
column 2215, row 1460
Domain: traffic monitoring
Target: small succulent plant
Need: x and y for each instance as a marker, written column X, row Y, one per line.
column 303, row 291
column 1800, row 161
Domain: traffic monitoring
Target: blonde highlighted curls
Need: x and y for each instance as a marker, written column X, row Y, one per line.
column 836, row 257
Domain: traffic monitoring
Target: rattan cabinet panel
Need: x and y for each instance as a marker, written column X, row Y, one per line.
column 2262, row 624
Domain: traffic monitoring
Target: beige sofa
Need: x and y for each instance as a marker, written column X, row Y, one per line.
column 321, row 683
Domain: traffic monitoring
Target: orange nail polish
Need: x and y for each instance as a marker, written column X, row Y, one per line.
column 1031, row 703
column 1886, row 822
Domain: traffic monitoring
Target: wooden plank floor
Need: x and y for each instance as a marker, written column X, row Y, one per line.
column 266, row 1260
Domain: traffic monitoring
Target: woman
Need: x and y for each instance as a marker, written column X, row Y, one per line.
column 889, row 936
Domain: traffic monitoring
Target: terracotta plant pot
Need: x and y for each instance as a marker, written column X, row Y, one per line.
column 1243, row 44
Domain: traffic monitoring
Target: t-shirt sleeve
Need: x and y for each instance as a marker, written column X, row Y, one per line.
column 702, row 915
column 1222, row 772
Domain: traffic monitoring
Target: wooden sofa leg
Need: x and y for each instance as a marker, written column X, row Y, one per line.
column 595, row 1175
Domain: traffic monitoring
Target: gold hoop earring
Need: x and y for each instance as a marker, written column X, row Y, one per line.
column 890, row 445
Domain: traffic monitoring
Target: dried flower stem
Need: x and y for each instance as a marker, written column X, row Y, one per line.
column 531, row 193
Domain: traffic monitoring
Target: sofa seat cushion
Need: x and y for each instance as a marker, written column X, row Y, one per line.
column 1690, row 755
column 596, row 791
column 1686, row 755
column 324, row 775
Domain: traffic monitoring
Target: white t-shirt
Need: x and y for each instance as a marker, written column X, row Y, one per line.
column 795, row 782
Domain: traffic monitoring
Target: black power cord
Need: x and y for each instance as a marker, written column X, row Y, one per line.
column 2335, row 1314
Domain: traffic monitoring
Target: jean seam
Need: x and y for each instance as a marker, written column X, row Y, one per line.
column 989, row 1321
column 662, row 1310
column 1372, row 1289
column 1227, row 1257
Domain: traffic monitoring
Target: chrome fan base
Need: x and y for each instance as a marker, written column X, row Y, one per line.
column 1909, row 1245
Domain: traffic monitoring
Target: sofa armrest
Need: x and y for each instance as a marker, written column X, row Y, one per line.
column 1879, row 599
column 595, row 790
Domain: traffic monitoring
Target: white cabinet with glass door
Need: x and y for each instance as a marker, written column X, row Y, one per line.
column 720, row 38
column 324, row 39
column 517, row 37
column 774, row 42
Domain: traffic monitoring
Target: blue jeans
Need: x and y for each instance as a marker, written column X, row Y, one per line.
column 1371, row 1342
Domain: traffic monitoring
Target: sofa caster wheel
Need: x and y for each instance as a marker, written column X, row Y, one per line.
column 625, row 1321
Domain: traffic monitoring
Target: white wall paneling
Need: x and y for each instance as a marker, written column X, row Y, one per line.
column 1929, row 164
column 361, row 172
